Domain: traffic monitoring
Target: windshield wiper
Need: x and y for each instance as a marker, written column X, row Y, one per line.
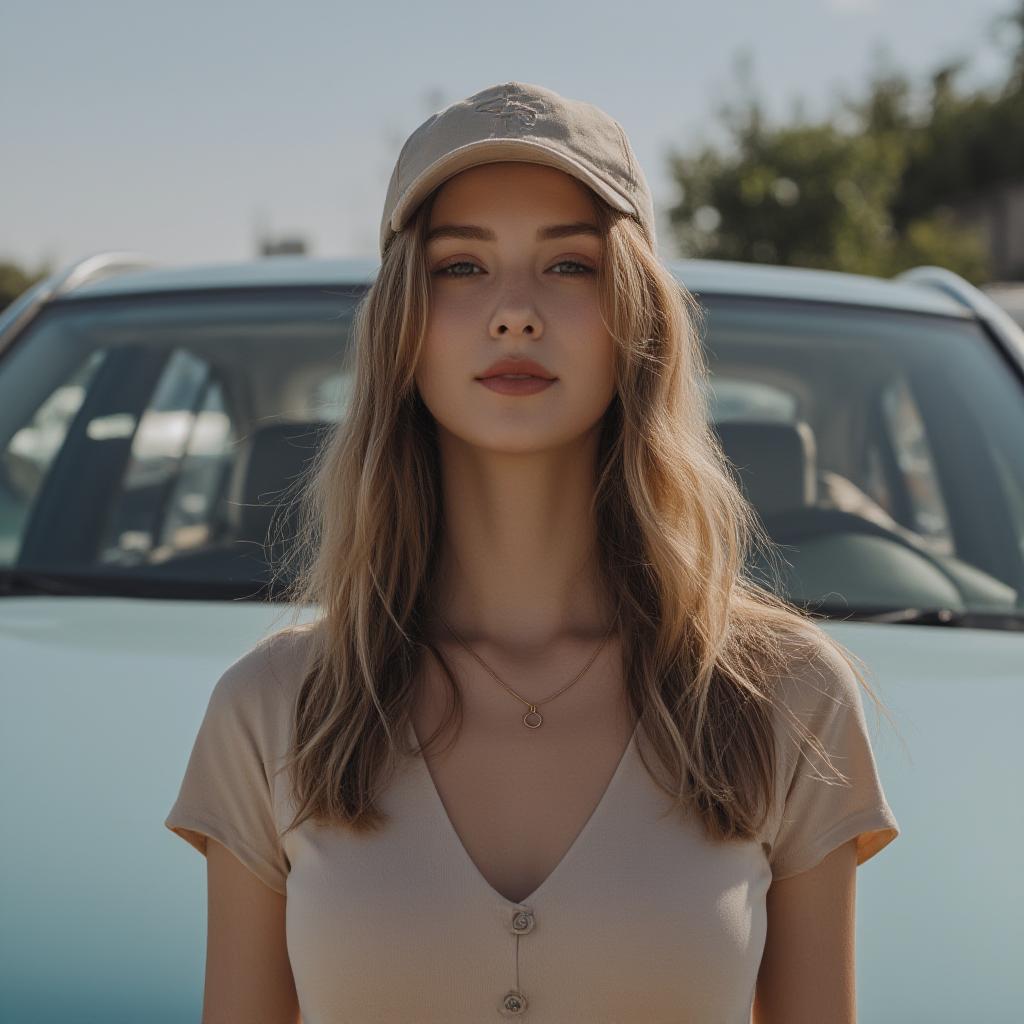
column 963, row 618
column 15, row 582
column 20, row 582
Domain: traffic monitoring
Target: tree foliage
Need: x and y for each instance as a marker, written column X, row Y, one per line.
column 870, row 188
column 14, row 279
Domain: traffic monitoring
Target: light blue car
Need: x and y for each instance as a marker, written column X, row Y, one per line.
column 1010, row 296
column 152, row 418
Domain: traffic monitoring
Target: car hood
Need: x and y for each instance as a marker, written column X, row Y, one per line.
column 104, row 908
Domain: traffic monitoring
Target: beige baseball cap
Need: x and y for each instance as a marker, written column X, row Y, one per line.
column 518, row 121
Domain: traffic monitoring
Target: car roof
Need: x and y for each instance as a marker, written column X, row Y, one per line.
column 702, row 277
column 1009, row 295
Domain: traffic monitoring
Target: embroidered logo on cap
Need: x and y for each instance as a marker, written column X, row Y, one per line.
column 512, row 115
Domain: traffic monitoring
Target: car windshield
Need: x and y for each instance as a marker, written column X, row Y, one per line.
column 147, row 441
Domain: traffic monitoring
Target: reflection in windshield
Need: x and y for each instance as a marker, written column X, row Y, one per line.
column 151, row 440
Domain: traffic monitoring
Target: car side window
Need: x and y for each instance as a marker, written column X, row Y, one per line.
column 911, row 458
column 181, row 456
column 193, row 515
column 1013, row 490
column 26, row 459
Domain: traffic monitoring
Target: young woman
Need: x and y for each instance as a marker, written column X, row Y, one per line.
column 524, row 537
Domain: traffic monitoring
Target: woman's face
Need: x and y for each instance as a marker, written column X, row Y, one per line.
column 501, row 288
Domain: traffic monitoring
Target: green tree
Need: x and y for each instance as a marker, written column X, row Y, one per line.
column 831, row 193
column 935, row 171
column 14, row 279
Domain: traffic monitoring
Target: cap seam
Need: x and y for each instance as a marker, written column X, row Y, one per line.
column 398, row 163
column 628, row 155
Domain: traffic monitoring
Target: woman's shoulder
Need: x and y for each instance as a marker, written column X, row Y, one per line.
column 817, row 673
column 818, row 700
column 264, row 680
column 828, row 788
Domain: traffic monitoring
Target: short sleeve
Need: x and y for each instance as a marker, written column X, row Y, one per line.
column 227, row 789
column 820, row 810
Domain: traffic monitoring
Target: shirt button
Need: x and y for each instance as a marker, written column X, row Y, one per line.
column 522, row 922
column 513, row 1004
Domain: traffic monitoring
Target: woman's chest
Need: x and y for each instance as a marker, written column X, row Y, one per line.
column 516, row 800
column 641, row 918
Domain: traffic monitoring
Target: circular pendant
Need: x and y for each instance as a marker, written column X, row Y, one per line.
column 537, row 717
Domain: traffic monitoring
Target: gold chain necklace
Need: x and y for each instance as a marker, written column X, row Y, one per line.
column 533, row 713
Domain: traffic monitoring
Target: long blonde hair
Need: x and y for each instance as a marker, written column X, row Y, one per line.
column 703, row 643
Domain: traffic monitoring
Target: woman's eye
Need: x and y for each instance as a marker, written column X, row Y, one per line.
column 575, row 263
column 444, row 271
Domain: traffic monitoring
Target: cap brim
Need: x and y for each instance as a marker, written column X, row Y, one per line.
column 488, row 151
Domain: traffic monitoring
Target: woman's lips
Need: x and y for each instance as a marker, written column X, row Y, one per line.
column 516, row 385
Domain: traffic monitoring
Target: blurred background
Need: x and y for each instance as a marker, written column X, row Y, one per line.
column 846, row 134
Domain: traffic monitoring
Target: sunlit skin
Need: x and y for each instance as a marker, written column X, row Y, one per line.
column 518, row 471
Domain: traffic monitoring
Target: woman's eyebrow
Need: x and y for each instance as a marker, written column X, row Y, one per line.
column 471, row 231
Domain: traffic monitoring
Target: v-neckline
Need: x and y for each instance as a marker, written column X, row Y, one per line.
column 573, row 852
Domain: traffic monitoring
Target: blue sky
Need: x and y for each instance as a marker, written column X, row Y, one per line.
column 184, row 130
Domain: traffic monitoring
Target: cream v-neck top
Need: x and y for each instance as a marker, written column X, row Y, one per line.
column 643, row 919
